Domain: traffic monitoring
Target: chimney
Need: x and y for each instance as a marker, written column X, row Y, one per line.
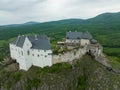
column 36, row 37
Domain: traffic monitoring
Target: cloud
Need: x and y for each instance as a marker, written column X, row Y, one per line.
column 19, row 11
column 12, row 5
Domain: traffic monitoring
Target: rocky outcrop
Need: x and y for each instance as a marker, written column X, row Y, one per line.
column 64, row 80
column 85, row 74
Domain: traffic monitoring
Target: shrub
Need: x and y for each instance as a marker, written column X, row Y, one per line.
column 16, row 76
column 81, row 83
column 56, row 68
column 1, row 58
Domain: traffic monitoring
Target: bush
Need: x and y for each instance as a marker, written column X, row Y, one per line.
column 78, row 63
column 56, row 68
column 55, row 52
column 74, row 53
column 81, row 83
column 16, row 76
column 32, row 82
column 1, row 58
column 9, row 85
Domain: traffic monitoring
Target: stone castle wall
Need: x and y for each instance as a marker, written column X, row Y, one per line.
column 69, row 56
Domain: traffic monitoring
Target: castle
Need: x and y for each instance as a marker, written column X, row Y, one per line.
column 36, row 50
column 31, row 50
column 78, row 39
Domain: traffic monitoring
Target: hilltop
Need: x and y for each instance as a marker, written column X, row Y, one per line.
column 85, row 74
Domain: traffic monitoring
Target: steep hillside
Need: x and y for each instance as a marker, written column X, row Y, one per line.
column 86, row 74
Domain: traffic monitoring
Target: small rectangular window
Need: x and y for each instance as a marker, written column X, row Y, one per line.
column 49, row 53
column 38, row 55
column 28, row 52
column 21, row 52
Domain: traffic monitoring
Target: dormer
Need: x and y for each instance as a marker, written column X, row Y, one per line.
column 27, row 44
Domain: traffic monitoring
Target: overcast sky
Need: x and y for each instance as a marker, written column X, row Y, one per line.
column 20, row 11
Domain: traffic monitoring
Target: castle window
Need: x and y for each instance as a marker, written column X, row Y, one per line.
column 78, row 38
column 28, row 52
column 38, row 55
column 33, row 54
column 45, row 55
column 67, row 37
column 44, row 50
column 49, row 53
column 21, row 52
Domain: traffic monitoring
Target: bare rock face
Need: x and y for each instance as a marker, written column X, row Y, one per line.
column 99, row 78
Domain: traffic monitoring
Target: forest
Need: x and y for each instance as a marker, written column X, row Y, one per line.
column 105, row 28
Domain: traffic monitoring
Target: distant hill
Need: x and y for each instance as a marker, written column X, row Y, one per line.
column 103, row 26
column 102, row 18
column 106, row 18
column 31, row 23
column 17, row 25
